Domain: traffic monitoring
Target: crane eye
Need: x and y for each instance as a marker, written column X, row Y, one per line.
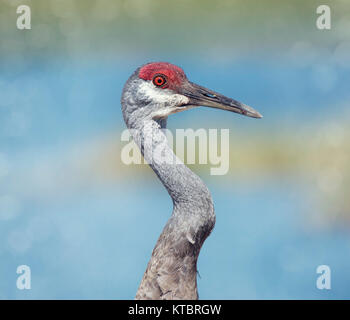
column 159, row 80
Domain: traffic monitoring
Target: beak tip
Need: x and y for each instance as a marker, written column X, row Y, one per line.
column 250, row 112
column 259, row 115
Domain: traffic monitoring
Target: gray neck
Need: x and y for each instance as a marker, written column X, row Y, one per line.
column 182, row 184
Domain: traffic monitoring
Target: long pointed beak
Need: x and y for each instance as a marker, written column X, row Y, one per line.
column 200, row 96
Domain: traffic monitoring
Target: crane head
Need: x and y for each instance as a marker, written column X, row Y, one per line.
column 165, row 89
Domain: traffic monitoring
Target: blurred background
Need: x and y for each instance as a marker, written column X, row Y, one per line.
column 86, row 223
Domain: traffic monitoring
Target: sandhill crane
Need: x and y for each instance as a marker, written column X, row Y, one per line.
column 152, row 93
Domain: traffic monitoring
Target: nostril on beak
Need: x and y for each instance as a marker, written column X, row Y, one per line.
column 209, row 95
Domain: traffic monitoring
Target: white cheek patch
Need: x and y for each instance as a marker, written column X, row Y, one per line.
column 168, row 101
column 163, row 112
